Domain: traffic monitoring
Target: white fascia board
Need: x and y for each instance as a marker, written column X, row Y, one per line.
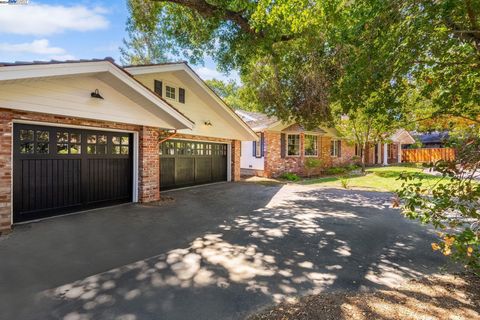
column 81, row 68
column 151, row 96
column 181, row 66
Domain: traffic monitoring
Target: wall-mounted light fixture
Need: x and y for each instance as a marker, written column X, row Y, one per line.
column 95, row 94
column 208, row 123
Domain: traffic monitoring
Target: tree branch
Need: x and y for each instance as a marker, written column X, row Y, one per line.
column 208, row 10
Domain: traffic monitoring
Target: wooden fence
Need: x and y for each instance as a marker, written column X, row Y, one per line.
column 427, row 154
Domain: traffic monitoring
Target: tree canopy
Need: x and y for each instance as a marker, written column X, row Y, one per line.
column 298, row 57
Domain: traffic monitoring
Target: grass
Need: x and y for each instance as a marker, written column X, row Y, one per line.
column 378, row 179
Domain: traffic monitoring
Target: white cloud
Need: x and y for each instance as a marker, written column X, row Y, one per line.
column 208, row 74
column 41, row 46
column 42, row 19
column 63, row 57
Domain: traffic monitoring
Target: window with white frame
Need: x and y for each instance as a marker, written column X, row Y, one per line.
column 293, row 145
column 311, row 145
column 170, row 92
column 335, row 147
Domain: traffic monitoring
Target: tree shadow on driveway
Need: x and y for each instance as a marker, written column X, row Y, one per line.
column 243, row 247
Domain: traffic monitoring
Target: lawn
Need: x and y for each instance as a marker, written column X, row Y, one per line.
column 379, row 179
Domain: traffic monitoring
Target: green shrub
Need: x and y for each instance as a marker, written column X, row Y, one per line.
column 336, row 170
column 290, row 176
column 345, row 182
column 311, row 164
column 352, row 167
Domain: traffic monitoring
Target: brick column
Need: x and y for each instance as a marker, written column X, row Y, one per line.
column 236, row 145
column 5, row 170
column 149, row 165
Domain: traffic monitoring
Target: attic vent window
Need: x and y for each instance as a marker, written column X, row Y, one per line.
column 170, row 92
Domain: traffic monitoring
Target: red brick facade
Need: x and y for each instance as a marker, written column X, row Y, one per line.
column 275, row 164
column 149, row 160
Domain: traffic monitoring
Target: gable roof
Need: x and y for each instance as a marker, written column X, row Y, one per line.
column 221, row 106
column 256, row 120
column 402, row 136
column 107, row 71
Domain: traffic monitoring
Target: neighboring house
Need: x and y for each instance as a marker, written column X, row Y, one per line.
column 435, row 139
column 286, row 147
column 83, row 134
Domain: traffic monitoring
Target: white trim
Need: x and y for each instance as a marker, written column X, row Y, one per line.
column 385, row 154
column 136, row 161
column 182, row 66
column 299, row 145
column 82, row 68
column 229, row 162
column 136, row 154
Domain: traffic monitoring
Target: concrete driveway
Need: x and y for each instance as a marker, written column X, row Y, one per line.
column 217, row 252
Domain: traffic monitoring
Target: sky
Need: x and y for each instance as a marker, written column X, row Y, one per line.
column 69, row 30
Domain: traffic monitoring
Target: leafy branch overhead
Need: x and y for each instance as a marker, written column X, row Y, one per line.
column 298, row 57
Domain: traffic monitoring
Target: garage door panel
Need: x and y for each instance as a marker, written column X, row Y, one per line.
column 186, row 163
column 219, row 169
column 167, row 172
column 57, row 170
column 185, row 171
column 108, row 179
column 203, row 169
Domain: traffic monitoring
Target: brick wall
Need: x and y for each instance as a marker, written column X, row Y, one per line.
column 235, row 163
column 149, row 160
column 275, row 165
column 5, row 169
column 149, row 165
column 346, row 154
column 6, row 119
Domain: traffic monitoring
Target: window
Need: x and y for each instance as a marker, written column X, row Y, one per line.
column 311, row 145
column 69, row 143
column 120, row 145
column 293, row 145
column 96, row 144
column 335, row 147
column 170, row 92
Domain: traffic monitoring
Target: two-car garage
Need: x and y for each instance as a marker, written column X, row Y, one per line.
column 59, row 170
column 79, row 135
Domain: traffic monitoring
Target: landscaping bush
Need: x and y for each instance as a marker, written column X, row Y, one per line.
column 336, row 170
column 311, row 164
column 290, row 176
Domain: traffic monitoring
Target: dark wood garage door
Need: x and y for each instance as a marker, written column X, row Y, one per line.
column 188, row 163
column 61, row 170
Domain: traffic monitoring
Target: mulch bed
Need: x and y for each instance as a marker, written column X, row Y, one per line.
column 436, row 297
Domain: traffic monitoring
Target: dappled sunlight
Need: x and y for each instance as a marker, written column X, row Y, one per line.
column 299, row 243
